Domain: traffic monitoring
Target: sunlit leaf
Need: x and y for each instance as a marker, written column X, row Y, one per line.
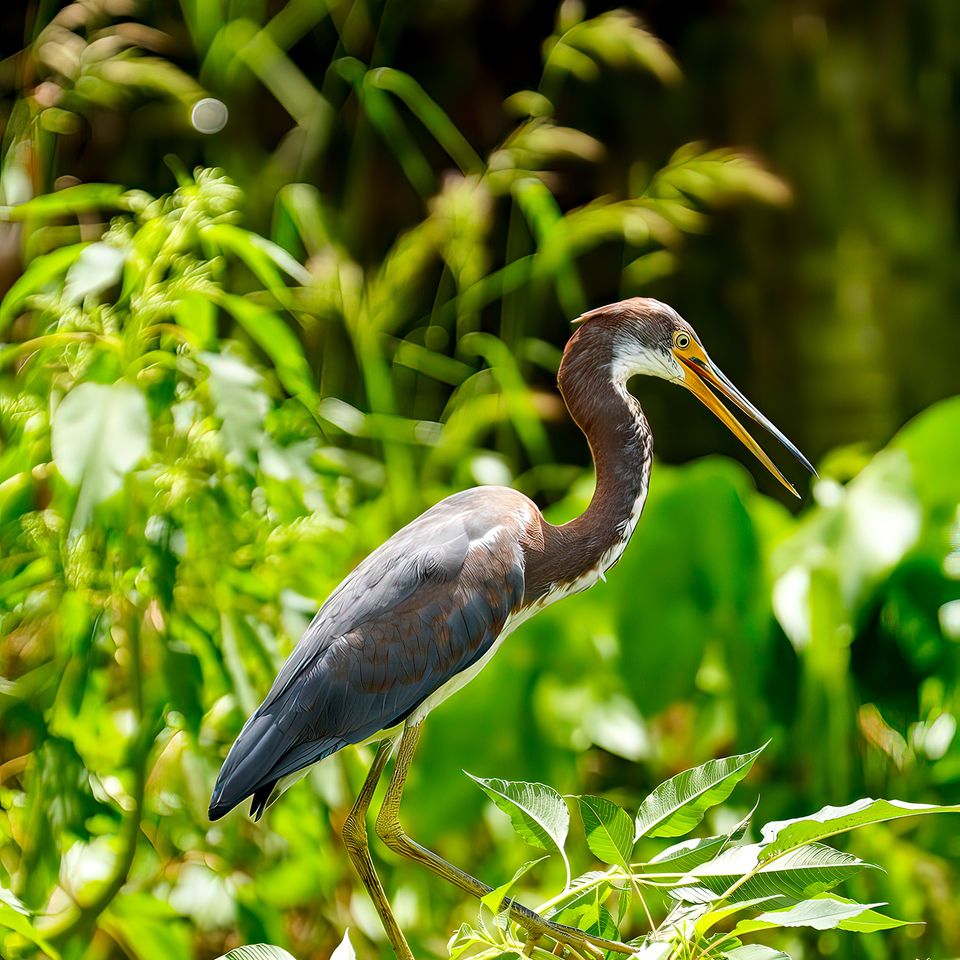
column 263, row 951
column 463, row 939
column 536, row 811
column 98, row 268
column 870, row 921
column 344, row 949
column 587, row 888
column 592, row 916
column 687, row 854
column 99, row 433
column 711, row 916
column 676, row 806
column 820, row 914
column 262, row 256
column 799, row 874
column 782, row 835
column 239, row 400
column 714, row 176
column 609, row 830
column 656, row 950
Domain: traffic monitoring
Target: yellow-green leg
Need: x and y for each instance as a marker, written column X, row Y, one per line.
column 390, row 830
column 358, row 849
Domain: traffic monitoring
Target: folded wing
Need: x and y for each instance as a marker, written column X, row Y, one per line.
column 418, row 611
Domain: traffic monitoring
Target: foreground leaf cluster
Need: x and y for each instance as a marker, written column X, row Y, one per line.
column 701, row 897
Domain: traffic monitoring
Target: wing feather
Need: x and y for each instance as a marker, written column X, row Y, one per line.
column 419, row 610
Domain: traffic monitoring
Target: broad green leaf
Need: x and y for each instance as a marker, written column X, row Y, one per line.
column 42, row 272
column 755, row 951
column 678, row 805
column 711, row 917
column 687, row 854
column 870, row 921
column 609, row 830
column 692, row 895
column 712, row 497
column 98, row 268
column 782, row 835
column 799, row 874
column 873, row 922
column 819, row 914
column 99, row 433
column 238, row 400
column 684, row 856
column 264, row 951
column 495, row 897
column 536, row 811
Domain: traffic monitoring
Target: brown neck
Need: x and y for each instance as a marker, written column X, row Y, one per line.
column 622, row 447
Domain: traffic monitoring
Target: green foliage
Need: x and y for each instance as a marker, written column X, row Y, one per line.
column 762, row 886
column 215, row 400
column 536, row 811
column 678, row 805
column 783, row 836
column 609, row 831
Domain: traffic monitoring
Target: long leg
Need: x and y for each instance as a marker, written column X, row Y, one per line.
column 358, row 849
column 390, row 830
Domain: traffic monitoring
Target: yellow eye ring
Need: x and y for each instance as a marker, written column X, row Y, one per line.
column 682, row 341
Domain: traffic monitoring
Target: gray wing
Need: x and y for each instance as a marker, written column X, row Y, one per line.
column 415, row 613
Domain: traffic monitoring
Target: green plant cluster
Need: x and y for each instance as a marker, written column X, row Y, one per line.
column 215, row 399
column 700, row 897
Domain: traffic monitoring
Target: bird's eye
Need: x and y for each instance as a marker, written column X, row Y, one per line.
column 682, row 341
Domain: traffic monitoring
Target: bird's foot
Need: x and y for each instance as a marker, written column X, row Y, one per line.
column 569, row 940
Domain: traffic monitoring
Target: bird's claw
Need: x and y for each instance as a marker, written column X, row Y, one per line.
column 569, row 939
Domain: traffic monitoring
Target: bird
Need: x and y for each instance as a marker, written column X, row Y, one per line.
column 424, row 613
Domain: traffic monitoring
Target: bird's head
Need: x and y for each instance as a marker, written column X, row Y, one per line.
column 645, row 336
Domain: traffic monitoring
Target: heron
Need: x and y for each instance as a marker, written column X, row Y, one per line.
column 426, row 611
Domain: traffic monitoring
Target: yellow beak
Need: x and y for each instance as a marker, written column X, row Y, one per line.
column 700, row 373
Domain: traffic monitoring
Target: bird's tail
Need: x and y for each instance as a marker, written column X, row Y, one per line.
column 247, row 767
column 263, row 756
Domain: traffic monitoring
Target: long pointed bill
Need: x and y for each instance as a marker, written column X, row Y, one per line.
column 698, row 373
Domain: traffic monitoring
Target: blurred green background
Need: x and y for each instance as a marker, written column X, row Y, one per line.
column 209, row 416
